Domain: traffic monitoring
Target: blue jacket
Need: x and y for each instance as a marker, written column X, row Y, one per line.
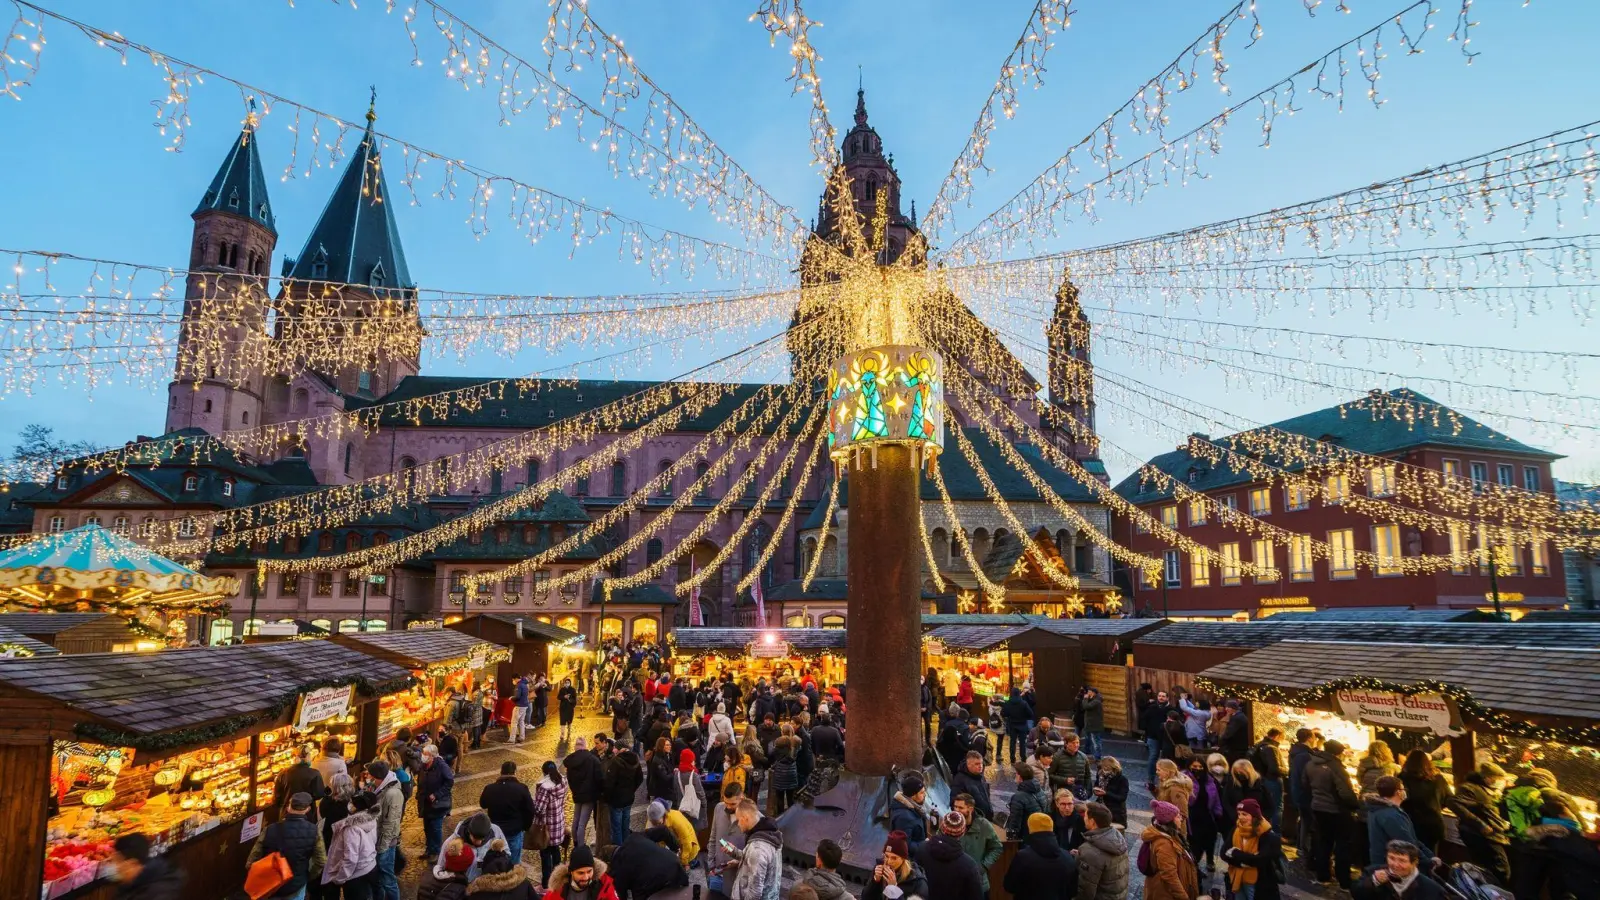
column 905, row 816
column 1387, row 823
column 522, row 692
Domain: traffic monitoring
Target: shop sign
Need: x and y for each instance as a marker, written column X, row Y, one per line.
column 1505, row 596
column 934, row 647
column 1291, row 602
column 479, row 658
column 251, row 828
column 323, row 704
column 769, row 650
column 1410, row 712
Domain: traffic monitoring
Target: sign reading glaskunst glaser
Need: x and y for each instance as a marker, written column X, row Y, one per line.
column 1433, row 713
column 323, row 704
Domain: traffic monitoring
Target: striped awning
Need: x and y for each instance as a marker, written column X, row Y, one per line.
column 92, row 569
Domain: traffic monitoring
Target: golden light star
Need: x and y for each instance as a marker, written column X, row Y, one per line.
column 897, row 403
column 966, row 602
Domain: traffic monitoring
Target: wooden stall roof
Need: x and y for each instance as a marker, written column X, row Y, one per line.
column 416, row 647
column 806, row 639
column 1101, row 627
column 52, row 623
column 1263, row 633
column 1381, row 614
column 978, row 638
column 1554, row 682
column 148, row 693
column 535, row 628
column 36, row 647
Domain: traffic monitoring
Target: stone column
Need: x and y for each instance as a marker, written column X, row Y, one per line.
column 884, row 649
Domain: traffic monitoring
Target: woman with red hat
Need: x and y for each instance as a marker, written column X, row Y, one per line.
column 897, row 871
column 1253, row 856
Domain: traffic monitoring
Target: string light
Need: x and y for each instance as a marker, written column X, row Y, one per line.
column 785, row 17
column 1059, row 576
column 822, row 537
column 992, row 591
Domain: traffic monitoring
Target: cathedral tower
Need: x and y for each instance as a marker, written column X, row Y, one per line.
column 868, row 171
column 215, row 386
column 1072, row 373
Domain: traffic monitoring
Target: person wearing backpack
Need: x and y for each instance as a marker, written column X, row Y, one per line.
column 1164, row 860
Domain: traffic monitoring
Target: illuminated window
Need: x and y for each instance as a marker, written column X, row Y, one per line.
column 1459, row 554
column 1452, row 469
column 1539, row 558
column 1386, row 545
column 253, row 626
column 1342, row 553
column 377, row 625
column 1199, row 570
column 1338, row 488
column 795, row 620
column 348, row 625
column 611, row 629
column 1265, row 556
column 1174, row 575
column 1230, row 563
column 1261, row 501
column 833, row 621
column 352, row 584
column 645, row 629
column 324, row 624
column 1197, row 511
column 289, row 585
column 221, row 631
column 324, row 586
column 1300, row 567
column 1380, row 481
column 570, row 623
column 1296, row 497
column 1169, row 516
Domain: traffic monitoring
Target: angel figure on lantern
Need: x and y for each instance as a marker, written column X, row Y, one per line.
column 870, row 420
column 918, row 375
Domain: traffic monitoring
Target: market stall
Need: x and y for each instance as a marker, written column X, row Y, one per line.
column 776, row 654
column 536, row 647
column 168, row 744
column 998, row 657
column 442, row 660
column 1521, row 707
column 90, row 569
column 90, row 632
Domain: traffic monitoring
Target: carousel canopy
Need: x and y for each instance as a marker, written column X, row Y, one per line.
column 91, row 569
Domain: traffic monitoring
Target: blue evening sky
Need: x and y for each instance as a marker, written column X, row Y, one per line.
column 86, row 173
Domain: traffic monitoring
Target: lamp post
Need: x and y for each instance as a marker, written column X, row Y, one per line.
column 255, row 592
column 1494, row 586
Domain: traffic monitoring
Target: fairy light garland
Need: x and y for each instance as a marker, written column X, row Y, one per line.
column 1060, row 577
column 781, row 530
column 927, row 554
column 994, row 593
column 785, row 17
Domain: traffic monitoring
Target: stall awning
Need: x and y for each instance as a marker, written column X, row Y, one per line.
column 694, row 641
column 129, row 698
column 532, row 627
column 419, row 648
column 1101, row 627
column 120, row 574
column 1266, row 632
column 1502, row 686
column 16, row 643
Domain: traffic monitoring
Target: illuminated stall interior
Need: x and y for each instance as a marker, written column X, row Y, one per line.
column 442, row 660
column 755, row 653
column 537, row 646
column 999, row 657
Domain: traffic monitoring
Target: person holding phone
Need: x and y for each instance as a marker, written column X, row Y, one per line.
column 895, row 875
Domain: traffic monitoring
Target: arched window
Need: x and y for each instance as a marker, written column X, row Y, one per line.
column 611, row 629
column 246, row 417
column 58, row 524
column 352, row 541
column 796, row 620
column 302, row 401
column 377, row 625
column 349, row 453
column 91, row 520
column 227, row 487
column 208, row 405
column 664, row 472
column 120, row 526
column 147, row 528
column 442, row 465
column 980, row 544
column 325, row 542
column 191, row 483
column 533, row 471
column 652, row 551
column 619, row 479
column 810, row 552
column 186, row 527
column 324, row 624
column 581, row 487
column 830, row 557
column 752, row 485
column 941, row 547
column 833, row 621
column 1061, row 541
column 646, row 628
column 221, row 631
column 570, row 623
column 407, row 462
column 348, row 625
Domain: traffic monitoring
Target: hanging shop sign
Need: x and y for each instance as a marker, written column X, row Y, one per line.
column 1433, row 713
column 479, row 657
column 934, row 647
column 1285, row 602
column 323, row 704
column 770, row 649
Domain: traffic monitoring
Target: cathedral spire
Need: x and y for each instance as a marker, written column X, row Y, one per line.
column 239, row 187
column 861, row 103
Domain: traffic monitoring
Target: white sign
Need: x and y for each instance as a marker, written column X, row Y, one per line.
column 479, row 657
column 1409, row 712
column 323, row 704
column 251, row 829
column 769, row 649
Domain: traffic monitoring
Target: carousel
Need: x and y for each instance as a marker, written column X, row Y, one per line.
column 90, row 569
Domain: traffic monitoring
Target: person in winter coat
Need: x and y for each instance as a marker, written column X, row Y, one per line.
column 980, row 839
column 510, row 806
column 827, row 742
column 1484, row 831
column 640, row 867
column 1426, row 793
column 1298, row 790
column 1016, row 714
column 586, row 781
column 897, row 875
column 296, row 837
column 1111, row 788
column 1243, row 784
column 952, row 743
column 760, row 863
column 907, row 812
column 140, row 875
column 951, row 873
column 1333, row 805
column 479, row 834
column 353, row 852
column 566, row 706
column 926, row 703
column 823, row 878
column 1071, row 769
column 435, row 787
column 1153, row 722
column 623, row 775
column 1252, row 855
column 964, row 693
column 1174, row 874
column 1387, row 821
column 1070, row 825
column 331, row 809
column 660, row 777
column 1208, row 809
column 391, row 804
column 1174, row 787
column 970, row 780
column 1028, row 799
column 447, row 879
column 500, row 877
column 1558, row 856
column 1236, row 733
column 303, row 778
column 582, row 878
column 721, row 725
column 1041, row 867
column 1195, row 720
column 691, row 788
column 1269, row 766
column 550, row 811
column 1103, row 859
column 785, row 768
column 1398, row 878
column 724, row 828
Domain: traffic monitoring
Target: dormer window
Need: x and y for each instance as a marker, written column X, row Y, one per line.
column 319, row 264
column 191, row 483
column 377, row 277
column 262, row 210
column 62, row 481
column 364, row 381
column 227, row 487
column 233, row 199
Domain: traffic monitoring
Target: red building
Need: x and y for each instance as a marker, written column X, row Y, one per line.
column 1362, row 563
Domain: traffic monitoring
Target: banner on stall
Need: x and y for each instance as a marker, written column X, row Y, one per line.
column 323, row 704
column 1433, row 713
column 478, row 658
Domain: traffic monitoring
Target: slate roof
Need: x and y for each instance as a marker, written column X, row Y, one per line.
column 1380, row 614
column 1270, row 631
column 736, row 638
column 1102, row 627
column 147, row 693
column 239, row 187
column 1360, row 425
column 418, row 646
column 644, row 595
column 976, row 637
column 934, row 620
column 831, row 589
column 356, row 239
column 532, row 626
column 51, row 623
column 1498, row 677
column 38, row 648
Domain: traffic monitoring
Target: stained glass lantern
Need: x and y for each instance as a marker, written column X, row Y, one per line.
column 893, row 394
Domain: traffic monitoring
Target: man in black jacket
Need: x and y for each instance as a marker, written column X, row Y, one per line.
column 826, row 741
column 969, row 779
column 644, row 867
column 1235, row 741
column 509, row 806
column 1153, row 722
column 1016, row 713
column 586, row 781
column 623, row 775
column 142, row 876
column 1264, row 756
column 951, row 873
column 1041, row 870
column 299, row 840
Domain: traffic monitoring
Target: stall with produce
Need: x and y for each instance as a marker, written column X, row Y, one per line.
column 90, row 569
column 443, row 662
column 536, row 647
column 167, row 744
column 776, row 654
column 999, row 657
column 1522, row 707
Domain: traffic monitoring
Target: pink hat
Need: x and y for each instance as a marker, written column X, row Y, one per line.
column 1250, row 806
column 1166, row 813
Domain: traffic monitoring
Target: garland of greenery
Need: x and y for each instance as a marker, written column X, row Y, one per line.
column 215, row 731
column 1502, row 723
